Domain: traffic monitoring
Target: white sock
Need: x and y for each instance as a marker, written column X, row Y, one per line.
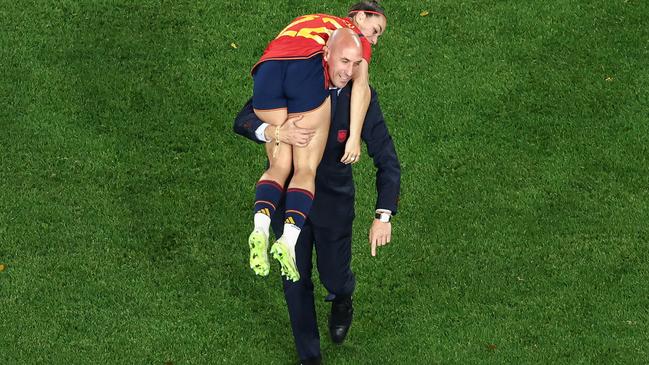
column 262, row 222
column 290, row 235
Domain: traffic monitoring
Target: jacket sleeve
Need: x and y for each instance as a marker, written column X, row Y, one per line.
column 246, row 122
column 381, row 148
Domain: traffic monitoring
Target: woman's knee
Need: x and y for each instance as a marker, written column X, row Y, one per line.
column 304, row 171
column 279, row 170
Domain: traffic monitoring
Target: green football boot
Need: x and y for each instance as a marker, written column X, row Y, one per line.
column 286, row 259
column 258, row 242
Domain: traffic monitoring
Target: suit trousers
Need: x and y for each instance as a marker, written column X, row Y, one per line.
column 333, row 246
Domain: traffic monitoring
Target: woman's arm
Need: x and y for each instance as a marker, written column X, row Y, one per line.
column 360, row 100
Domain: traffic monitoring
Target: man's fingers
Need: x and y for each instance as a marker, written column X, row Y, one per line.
column 294, row 135
column 383, row 239
column 291, row 122
column 308, row 135
column 294, row 119
column 372, row 239
column 378, row 237
column 307, row 138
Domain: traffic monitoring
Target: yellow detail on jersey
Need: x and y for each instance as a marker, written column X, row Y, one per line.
column 310, row 33
column 332, row 21
column 289, row 220
column 303, row 19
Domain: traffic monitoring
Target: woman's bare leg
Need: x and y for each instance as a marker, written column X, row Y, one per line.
column 300, row 192
column 268, row 192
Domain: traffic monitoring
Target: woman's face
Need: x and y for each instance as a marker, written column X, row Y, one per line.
column 372, row 26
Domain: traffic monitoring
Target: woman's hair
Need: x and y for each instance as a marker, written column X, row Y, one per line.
column 370, row 8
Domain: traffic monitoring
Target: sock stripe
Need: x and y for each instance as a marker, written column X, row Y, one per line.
column 265, row 202
column 298, row 205
column 303, row 191
column 267, row 196
column 295, row 211
column 272, row 183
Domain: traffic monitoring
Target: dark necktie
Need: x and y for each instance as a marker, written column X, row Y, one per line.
column 334, row 98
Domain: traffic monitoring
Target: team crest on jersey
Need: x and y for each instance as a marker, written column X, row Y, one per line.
column 342, row 135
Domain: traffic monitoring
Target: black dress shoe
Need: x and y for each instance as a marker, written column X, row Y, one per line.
column 312, row 361
column 342, row 313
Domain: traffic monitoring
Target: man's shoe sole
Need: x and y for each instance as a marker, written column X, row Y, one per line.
column 258, row 243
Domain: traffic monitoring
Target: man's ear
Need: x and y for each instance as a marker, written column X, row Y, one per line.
column 326, row 53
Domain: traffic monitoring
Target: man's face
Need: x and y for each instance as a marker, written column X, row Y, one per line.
column 341, row 64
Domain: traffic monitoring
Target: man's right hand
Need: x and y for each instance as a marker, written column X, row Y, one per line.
column 290, row 133
column 380, row 235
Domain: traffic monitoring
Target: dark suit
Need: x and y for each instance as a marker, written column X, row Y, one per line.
column 329, row 225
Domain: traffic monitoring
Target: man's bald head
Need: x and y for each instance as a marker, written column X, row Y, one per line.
column 343, row 54
column 344, row 38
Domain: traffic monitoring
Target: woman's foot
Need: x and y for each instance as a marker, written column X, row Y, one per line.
column 258, row 242
column 286, row 257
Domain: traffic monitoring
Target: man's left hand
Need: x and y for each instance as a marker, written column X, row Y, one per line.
column 380, row 234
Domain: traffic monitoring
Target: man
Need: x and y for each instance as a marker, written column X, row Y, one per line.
column 329, row 225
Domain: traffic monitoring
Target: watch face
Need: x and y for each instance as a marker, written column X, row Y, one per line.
column 383, row 217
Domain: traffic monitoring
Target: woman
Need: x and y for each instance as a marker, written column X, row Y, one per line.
column 290, row 79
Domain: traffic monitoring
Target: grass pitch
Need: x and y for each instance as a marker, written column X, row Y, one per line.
column 521, row 238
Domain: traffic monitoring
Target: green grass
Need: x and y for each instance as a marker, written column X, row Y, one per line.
column 521, row 238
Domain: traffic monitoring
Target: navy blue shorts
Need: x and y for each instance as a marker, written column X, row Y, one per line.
column 297, row 85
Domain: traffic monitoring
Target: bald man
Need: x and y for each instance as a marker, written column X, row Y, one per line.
column 342, row 55
column 329, row 225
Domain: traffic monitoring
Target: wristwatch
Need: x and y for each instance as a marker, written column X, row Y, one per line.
column 383, row 217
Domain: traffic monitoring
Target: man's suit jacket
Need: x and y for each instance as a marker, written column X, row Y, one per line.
column 334, row 195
